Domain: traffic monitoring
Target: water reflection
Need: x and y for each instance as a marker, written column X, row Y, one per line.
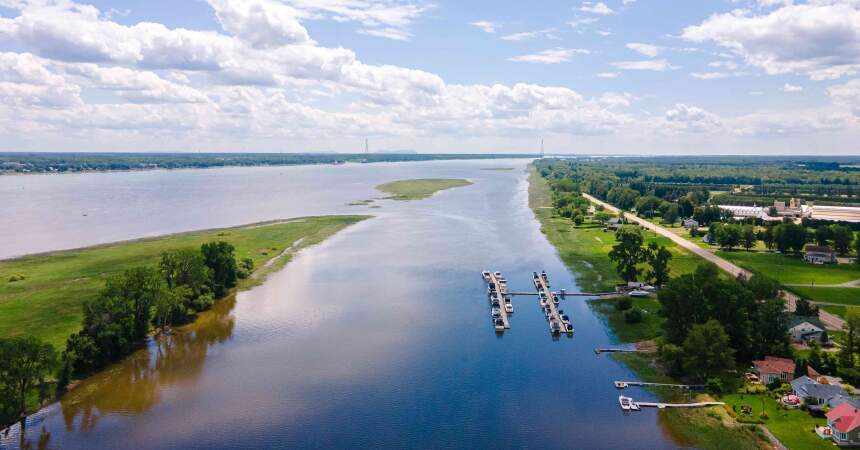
column 136, row 383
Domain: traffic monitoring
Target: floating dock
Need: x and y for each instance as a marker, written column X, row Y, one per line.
column 626, row 384
column 598, row 351
column 497, row 292
column 549, row 302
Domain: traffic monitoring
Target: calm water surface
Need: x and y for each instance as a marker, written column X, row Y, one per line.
column 378, row 338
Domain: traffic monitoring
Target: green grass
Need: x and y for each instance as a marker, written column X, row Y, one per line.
column 792, row 427
column 789, row 269
column 648, row 329
column 845, row 296
column 420, row 188
column 47, row 303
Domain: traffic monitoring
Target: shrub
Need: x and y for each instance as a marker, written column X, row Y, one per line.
column 203, row 302
column 17, row 277
column 624, row 303
column 763, row 415
column 633, row 315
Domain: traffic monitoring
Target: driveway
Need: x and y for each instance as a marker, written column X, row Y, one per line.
column 829, row 320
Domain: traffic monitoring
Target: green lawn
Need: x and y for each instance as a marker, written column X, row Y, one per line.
column 47, row 302
column 845, row 296
column 792, row 269
column 792, row 427
column 649, row 328
column 420, row 188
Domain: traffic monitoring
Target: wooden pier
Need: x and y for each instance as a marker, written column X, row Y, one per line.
column 570, row 294
column 626, row 384
column 598, row 351
column 541, row 283
column 636, row 405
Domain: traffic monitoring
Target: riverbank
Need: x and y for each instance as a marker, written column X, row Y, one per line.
column 419, row 188
column 42, row 295
column 585, row 251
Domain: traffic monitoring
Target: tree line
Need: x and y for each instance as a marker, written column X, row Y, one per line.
column 118, row 320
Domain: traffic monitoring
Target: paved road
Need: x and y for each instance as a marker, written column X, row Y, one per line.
column 829, row 320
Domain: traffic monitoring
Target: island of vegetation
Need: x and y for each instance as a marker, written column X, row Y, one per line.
column 703, row 326
column 420, row 188
column 67, row 314
column 23, row 163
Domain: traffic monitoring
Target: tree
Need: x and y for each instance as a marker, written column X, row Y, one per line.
column 140, row 287
column 727, row 236
column 627, row 253
column 658, row 258
column 823, row 235
column 686, row 206
column 671, row 213
column 622, row 197
column 24, row 365
column 841, row 239
column 707, row 352
column 648, row 204
column 707, row 214
column 221, row 260
column 789, row 236
column 768, row 237
column 602, row 217
column 804, row 307
column 849, row 347
column 186, row 267
column 857, row 249
column 748, row 237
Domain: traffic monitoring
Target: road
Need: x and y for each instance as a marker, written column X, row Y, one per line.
column 829, row 320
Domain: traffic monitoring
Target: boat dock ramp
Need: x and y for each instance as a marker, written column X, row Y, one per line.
column 558, row 321
column 500, row 301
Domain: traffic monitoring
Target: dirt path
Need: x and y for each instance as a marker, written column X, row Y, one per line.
column 829, row 320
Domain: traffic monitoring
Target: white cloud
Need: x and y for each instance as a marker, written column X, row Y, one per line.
column 550, row 56
column 656, row 65
column 692, row 118
column 526, row 35
column 486, row 26
column 576, row 23
column 791, row 88
column 596, row 8
column 819, row 39
column 261, row 23
column 608, row 75
column 645, row 49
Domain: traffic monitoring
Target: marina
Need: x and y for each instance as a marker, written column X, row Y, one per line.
column 558, row 321
column 500, row 301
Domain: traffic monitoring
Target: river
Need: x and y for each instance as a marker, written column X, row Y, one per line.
column 380, row 337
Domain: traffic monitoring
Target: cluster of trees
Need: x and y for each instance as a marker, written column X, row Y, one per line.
column 27, row 363
column 729, row 236
column 568, row 201
column 630, row 253
column 186, row 282
column 712, row 322
column 838, row 236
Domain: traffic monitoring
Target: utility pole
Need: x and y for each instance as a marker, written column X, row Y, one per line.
column 541, row 148
column 366, row 147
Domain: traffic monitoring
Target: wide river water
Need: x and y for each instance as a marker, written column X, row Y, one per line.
column 379, row 337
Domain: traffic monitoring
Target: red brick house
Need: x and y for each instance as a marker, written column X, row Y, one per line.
column 844, row 422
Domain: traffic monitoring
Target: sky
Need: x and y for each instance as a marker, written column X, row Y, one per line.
column 447, row 76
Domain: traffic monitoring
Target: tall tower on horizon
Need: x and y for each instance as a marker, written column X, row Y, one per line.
column 366, row 147
column 541, row 148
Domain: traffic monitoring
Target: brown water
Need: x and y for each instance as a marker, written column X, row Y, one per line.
column 379, row 337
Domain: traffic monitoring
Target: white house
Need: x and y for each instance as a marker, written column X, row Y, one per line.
column 804, row 329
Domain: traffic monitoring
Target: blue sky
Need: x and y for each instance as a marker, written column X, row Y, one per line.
column 618, row 76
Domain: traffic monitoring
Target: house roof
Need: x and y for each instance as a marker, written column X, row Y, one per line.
column 798, row 320
column 844, row 417
column 817, row 390
column 772, row 364
column 818, row 249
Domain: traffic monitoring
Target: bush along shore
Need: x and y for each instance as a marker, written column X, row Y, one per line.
column 705, row 328
column 138, row 302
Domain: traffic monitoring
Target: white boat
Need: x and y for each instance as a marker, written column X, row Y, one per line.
column 486, row 275
column 500, row 325
column 620, row 384
column 509, row 308
column 639, row 293
column 627, row 403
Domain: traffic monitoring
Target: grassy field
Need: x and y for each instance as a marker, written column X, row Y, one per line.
column 420, row 188
column 584, row 250
column 792, row 427
column 46, row 303
column 845, row 296
column 649, row 328
column 791, row 269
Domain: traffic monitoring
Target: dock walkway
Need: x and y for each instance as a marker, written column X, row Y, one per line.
column 499, row 296
column 626, row 384
column 541, row 282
